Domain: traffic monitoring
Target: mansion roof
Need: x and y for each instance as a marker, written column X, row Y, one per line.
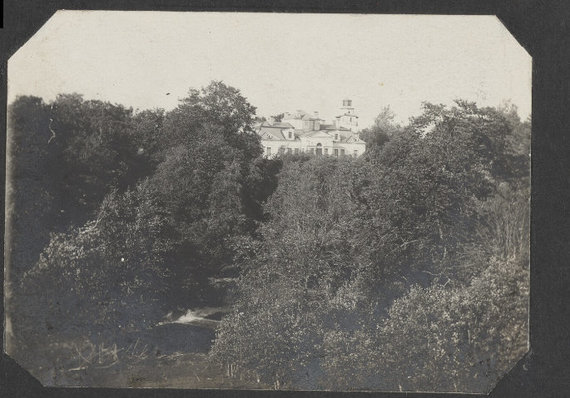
column 307, row 131
column 277, row 132
column 271, row 132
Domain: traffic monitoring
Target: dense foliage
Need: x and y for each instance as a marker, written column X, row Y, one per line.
column 406, row 268
column 143, row 209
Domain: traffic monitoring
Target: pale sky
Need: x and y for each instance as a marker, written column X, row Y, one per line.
column 280, row 62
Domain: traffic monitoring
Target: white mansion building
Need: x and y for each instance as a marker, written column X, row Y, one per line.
column 301, row 132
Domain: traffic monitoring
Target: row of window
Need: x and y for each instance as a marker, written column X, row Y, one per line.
column 318, row 151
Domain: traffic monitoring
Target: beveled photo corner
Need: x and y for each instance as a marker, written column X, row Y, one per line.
column 274, row 201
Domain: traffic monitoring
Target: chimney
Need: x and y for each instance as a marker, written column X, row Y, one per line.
column 316, row 114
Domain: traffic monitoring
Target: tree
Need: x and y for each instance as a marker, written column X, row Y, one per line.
column 31, row 208
column 84, row 149
column 146, row 137
column 468, row 324
column 211, row 182
column 291, row 276
column 103, row 278
column 383, row 129
column 463, row 339
column 139, row 241
column 428, row 184
column 341, row 264
column 360, row 259
column 218, row 107
column 448, row 336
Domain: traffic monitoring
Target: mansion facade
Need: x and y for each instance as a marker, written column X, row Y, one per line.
column 301, row 132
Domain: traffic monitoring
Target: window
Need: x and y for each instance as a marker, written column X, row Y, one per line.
column 336, row 137
column 342, row 152
column 281, row 150
column 313, row 150
column 319, row 149
column 355, row 153
column 290, row 134
column 336, row 152
column 290, row 151
column 326, row 151
column 296, row 151
column 268, row 150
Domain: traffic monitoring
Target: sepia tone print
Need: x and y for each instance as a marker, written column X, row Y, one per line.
column 268, row 201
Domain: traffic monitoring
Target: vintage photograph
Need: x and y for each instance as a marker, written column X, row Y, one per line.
column 274, row 201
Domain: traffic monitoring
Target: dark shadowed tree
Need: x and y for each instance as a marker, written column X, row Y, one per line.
column 383, row 129
column 96, row 152
column 132, row 255
column 146, row 144
column 207, row 177
column 31, row 174
column 102, row 279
